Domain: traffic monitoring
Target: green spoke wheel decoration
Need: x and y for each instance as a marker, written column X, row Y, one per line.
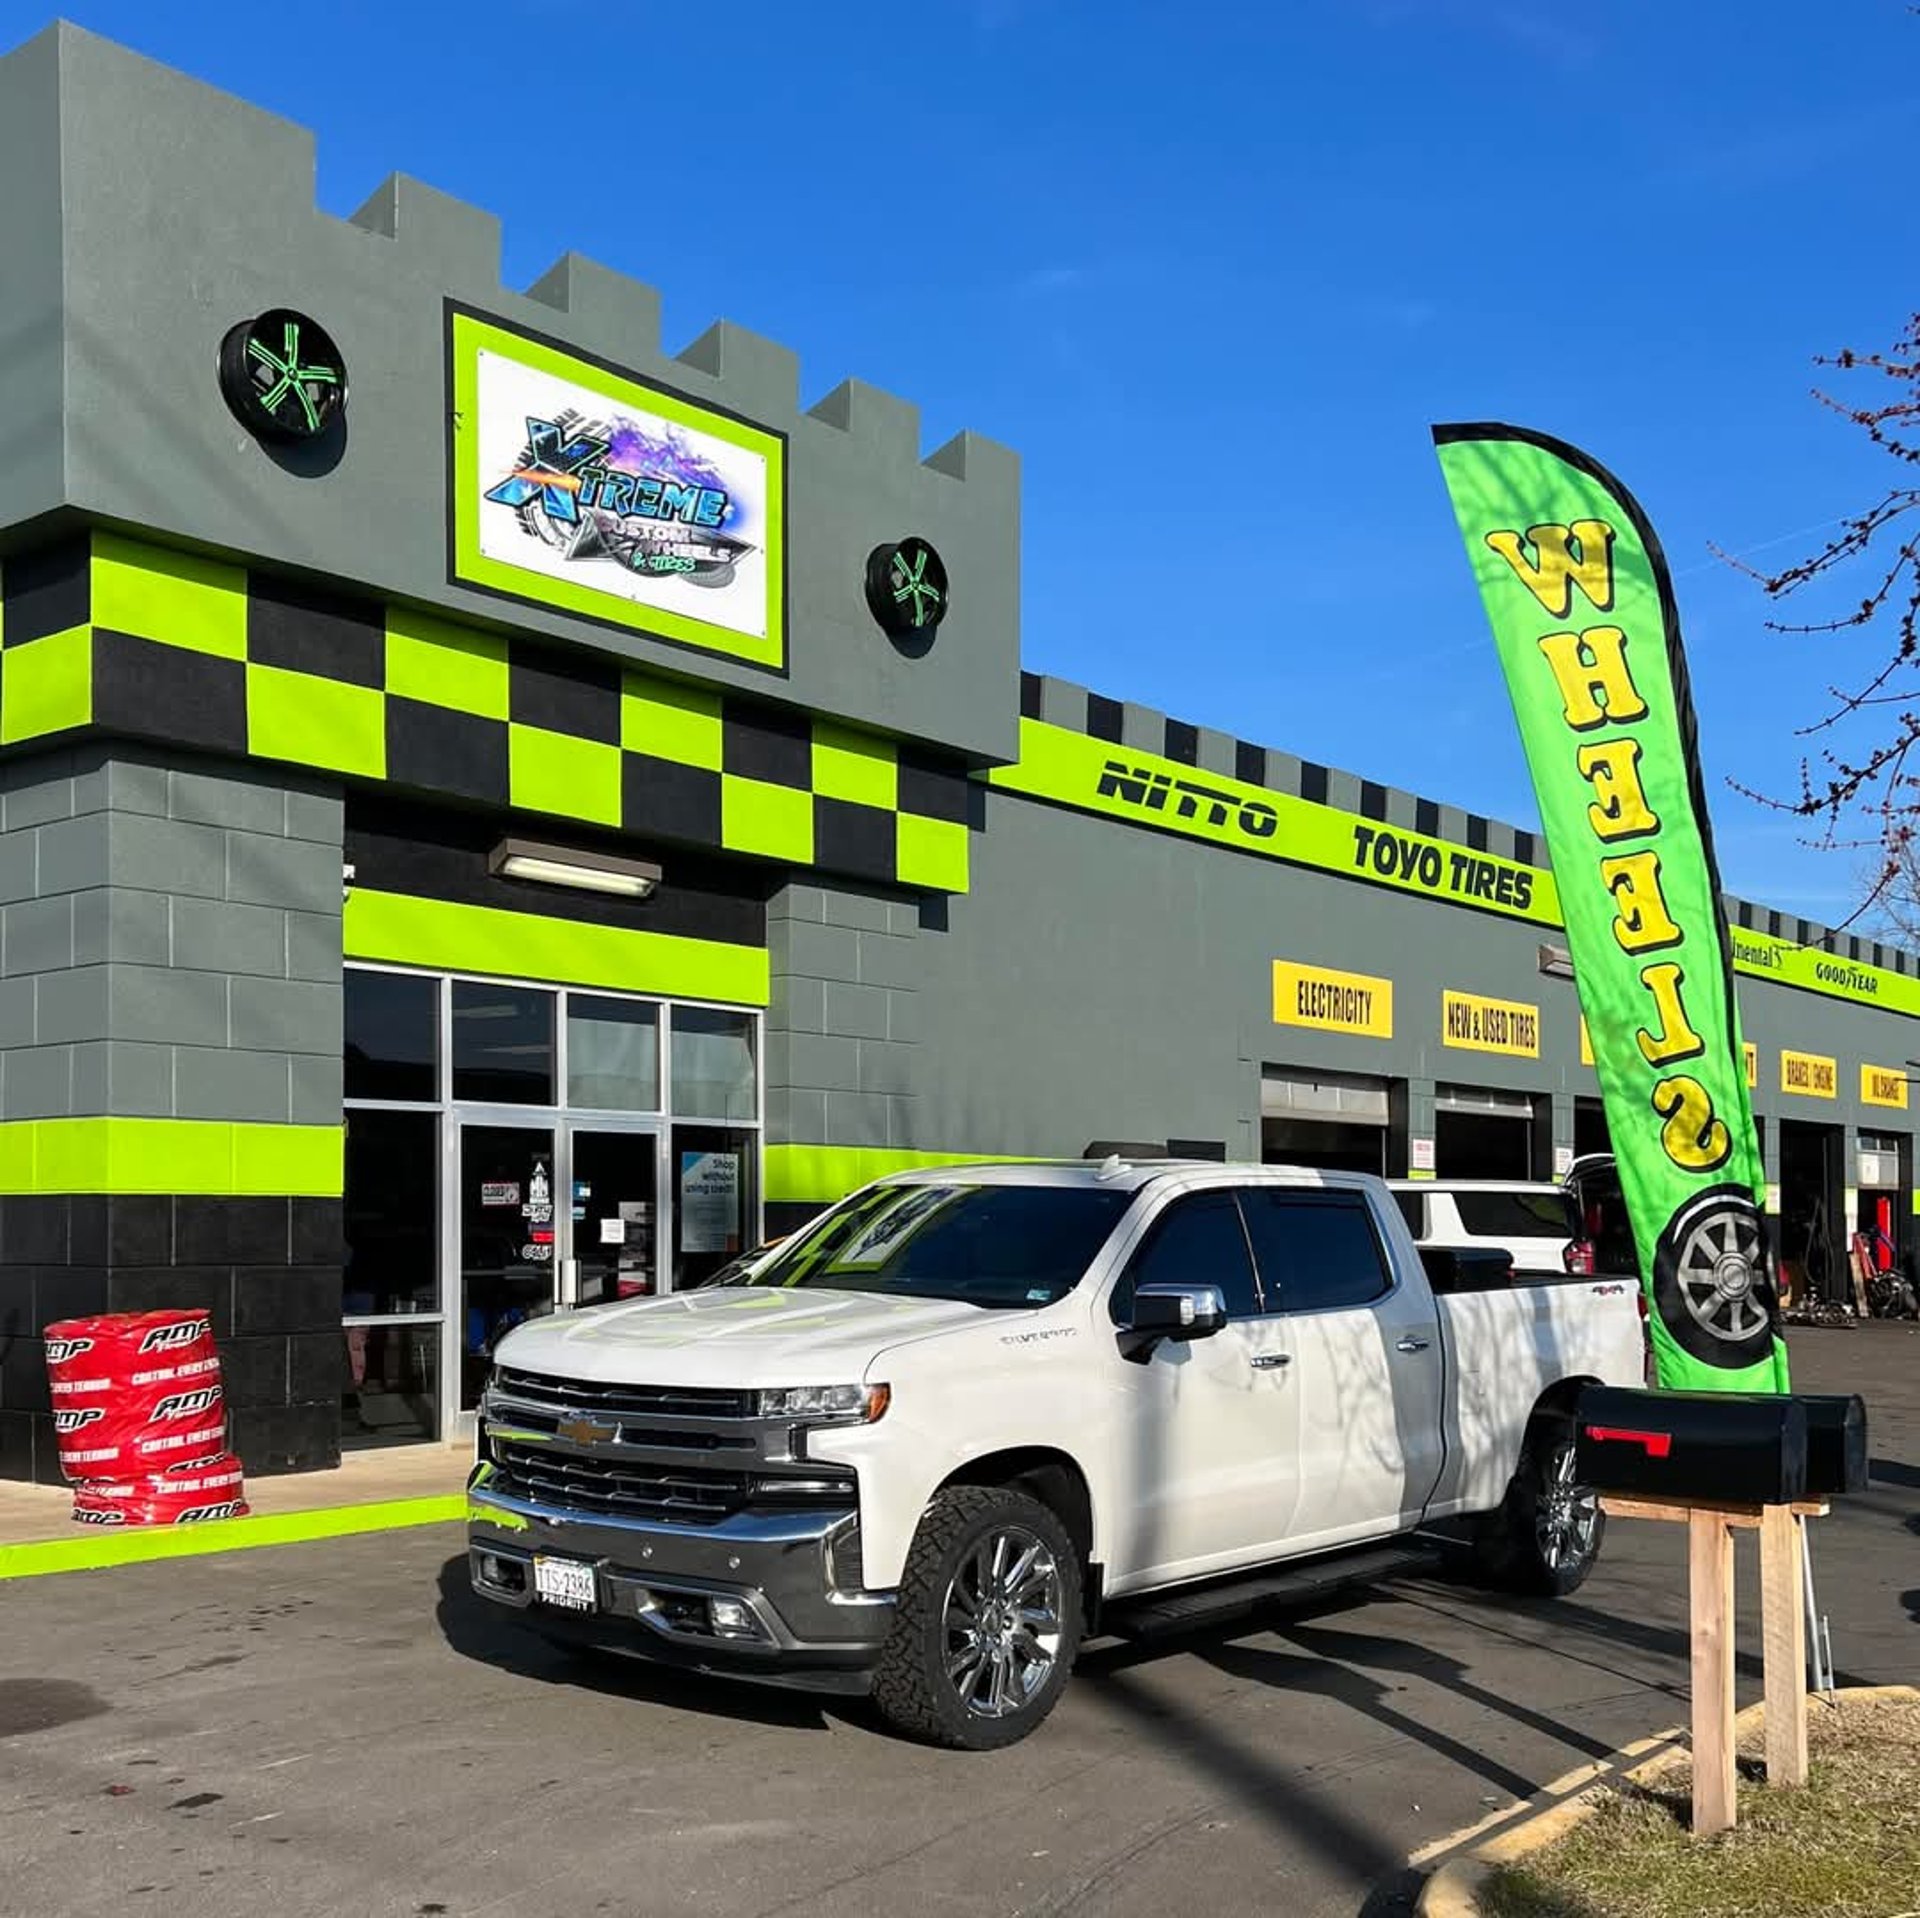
column 283, row 376
column 907, row 588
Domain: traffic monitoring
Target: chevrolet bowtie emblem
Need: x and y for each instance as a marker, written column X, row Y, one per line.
column 582, row 1430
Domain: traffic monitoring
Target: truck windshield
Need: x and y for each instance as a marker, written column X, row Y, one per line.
column 1004, row 1247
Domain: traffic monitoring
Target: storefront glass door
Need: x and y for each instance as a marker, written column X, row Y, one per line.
column 514, row 1149
column 614, row 1230
column 503, row 1202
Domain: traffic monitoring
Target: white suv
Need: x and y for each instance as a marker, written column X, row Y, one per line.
column 1538, row 1223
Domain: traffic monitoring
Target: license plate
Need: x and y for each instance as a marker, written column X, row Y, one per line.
column 566, row 1582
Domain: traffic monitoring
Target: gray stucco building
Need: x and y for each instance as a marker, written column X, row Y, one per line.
column 495, row 814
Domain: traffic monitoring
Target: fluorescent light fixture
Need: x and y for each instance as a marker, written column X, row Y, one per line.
column 1556, row 962
column 566, row 866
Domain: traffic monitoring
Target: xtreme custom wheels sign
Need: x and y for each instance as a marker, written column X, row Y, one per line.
column 1577, row 592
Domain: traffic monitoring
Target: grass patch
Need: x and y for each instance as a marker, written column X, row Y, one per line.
column 1846, row 1847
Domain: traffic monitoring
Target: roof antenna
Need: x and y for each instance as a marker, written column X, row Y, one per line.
column 1111, row 1166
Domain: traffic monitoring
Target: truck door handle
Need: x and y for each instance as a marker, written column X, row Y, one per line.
column 1266, row 1361
column 1411, row 1343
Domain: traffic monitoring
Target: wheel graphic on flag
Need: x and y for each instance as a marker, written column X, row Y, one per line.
column 1711, row 1281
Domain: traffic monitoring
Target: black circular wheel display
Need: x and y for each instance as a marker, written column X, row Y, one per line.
column 283, row 376
column 1711, row 1279
column 907, row 588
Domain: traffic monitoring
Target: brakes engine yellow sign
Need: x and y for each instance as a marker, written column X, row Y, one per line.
column 1490, row 1025
column 1331, row 1001
column 1809, row 1074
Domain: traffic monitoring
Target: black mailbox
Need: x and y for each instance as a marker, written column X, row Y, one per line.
column 1836, row 1445
column 1727, row 1448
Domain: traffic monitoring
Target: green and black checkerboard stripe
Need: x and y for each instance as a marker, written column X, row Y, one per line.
column 139, row 640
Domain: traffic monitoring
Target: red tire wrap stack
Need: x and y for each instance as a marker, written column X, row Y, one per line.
column 140, row 1418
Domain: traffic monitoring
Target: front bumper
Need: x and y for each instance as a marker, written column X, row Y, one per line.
column 653, row 1583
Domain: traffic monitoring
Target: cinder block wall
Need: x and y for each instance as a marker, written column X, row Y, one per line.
column 170, row 1079
column 843, row 1027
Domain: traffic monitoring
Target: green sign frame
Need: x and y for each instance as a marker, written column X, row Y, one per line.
column 587, row 592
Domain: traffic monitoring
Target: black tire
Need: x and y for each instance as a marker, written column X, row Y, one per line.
column 914, row 1683
column 1547, row 1534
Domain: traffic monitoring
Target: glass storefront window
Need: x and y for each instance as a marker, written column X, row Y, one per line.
column 713, row 1200
column 390, row 1388
column 713, row 1073
column 502, row 1044
column 392, row 1022
column 392, row 1213
column 613, row 1054
column 627, row 1164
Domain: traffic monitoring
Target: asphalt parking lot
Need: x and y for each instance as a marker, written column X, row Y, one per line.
column 342, row 1728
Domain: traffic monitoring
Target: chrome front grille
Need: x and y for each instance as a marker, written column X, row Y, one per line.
column 617, row 1487
column 659, row 1454
column 637, row 1401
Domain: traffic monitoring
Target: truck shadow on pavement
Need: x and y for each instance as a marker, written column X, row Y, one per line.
column 477, row 1629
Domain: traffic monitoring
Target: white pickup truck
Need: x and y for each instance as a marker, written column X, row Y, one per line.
column 970, row 1417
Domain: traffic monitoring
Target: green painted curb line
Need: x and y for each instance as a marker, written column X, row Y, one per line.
column 132, row 1547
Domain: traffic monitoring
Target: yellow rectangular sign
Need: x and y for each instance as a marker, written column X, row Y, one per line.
column 1883, row 1086
column 1810, row 1075
column 1331, row 1001
column 1490, row 1025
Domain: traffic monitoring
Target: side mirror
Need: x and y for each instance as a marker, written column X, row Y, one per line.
column 1177, row 1312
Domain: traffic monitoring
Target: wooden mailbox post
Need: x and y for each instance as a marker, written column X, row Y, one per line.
column 1783, row 1613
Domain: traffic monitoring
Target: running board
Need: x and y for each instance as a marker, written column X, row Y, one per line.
column 1163, row 1614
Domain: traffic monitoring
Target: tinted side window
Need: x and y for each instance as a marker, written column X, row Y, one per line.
column 1413, row 1208
column 1318, row 1251
column 1519, row 1215
column 1196, row 1241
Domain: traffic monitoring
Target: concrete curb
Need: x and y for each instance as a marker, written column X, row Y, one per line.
column 95, row 1550
column 1454, row 1889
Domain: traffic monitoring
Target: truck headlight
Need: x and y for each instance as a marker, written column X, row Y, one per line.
column 849, row 1404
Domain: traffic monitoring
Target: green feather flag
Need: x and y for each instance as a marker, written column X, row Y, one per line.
column 1577, row 592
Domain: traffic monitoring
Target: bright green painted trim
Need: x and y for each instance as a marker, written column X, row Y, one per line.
column 855, row 766
column 557, row 773
column 46, row 685
column 819, row 1174
column 175, row 598
column 95, row 1551
column 1090, row 775
column 1146, row 789
column 669, row 721
column 216, row 1157
column 407, row 931
column 446, row 665
column 932, row 853
column 759, row 817
column 316, row 722
column 470, row 337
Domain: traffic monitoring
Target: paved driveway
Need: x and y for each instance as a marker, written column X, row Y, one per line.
column 340, row 1728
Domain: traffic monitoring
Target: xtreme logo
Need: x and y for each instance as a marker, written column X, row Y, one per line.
column 563, row 472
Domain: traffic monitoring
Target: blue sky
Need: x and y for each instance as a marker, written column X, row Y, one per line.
column 1212, row 270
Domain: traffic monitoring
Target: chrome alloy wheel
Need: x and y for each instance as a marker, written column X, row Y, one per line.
column 1567, row 1517
column 1002, row 1622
